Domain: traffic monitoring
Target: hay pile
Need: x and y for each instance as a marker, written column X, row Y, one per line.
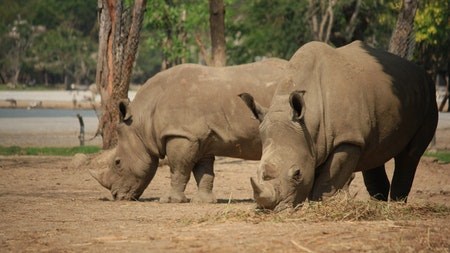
column 338, row 208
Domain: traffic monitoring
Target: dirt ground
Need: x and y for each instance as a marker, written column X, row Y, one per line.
column 45, row 206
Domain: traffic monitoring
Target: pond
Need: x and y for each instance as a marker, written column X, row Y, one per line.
column 44, row 113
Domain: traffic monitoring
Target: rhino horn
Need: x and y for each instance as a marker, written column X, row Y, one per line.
column 257, row 188
column 263, row 194
column 99, row 168
column 101, row 175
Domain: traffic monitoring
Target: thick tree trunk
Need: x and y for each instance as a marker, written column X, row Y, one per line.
column 217, row 26
column 118, row 43
column 402, row 40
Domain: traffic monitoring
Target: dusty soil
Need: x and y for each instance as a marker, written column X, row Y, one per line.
column 46, row 206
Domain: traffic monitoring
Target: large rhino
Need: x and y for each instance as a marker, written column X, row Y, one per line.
column 339, row 111
column 189, row 113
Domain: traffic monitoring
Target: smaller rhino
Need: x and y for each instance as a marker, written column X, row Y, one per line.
column 189, row 114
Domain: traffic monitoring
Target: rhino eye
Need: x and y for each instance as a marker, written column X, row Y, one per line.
column 117, row 162
column 267, row 177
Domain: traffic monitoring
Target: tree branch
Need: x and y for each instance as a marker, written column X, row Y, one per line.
column 351, row 26
column 203, row 51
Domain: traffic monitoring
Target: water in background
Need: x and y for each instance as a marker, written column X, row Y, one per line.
column 44, row 113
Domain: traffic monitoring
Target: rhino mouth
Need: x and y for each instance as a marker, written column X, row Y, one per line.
column 117, row 194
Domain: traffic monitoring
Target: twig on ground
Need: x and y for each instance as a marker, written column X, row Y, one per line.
column 301, row 247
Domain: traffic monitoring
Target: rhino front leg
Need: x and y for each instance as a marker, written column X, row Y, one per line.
column 181, row 155
column 204, row 176
column 336, row 171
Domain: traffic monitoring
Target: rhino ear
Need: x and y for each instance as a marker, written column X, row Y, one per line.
column 124, row 110
column 258, row 111
column 298, row 104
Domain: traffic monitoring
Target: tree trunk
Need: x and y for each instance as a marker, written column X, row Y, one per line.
column 118, row 42
column 45, row 77
column 402, row 40
column 321, row 19
column 217, row 26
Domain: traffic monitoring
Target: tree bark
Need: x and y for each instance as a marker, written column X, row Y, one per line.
column 118, row 42
column 217, row 26
column 321, row 19
column 402, row 40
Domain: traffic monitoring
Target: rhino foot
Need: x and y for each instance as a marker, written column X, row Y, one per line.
column 204, row 197
column 174, row 197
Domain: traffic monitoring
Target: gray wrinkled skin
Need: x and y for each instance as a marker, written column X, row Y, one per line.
column 340, row 111
column 189, row 114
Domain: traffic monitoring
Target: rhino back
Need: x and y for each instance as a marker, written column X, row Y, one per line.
column 202, row 104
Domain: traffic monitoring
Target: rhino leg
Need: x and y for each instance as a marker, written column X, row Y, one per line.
column 181, row 155
column 405, row 169
column 377, row 183
column 336, row 171
column 346, row 186
column 204, row 176
column 406, row 162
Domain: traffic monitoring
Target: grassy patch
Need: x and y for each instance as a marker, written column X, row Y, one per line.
column 51, row 151
column 443, row 156
column 338, row 208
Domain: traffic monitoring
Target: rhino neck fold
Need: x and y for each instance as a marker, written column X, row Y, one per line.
column 309, row 139
column 146, row 136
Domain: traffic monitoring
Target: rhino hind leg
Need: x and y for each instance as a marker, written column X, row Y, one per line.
column 181, row 155
column 405, row 169
column 377, row 183
column 407, row 161
column 204, row 176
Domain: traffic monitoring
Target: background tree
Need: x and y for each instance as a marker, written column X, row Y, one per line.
column 432, row 35
column 255, row 32
column 402, row 40
column 62, row 36
column 118, row 42
column 321, row 18
column 19, row 38
column 165, row 23
column 54, row 33
column 217, row 24
column 432, row 25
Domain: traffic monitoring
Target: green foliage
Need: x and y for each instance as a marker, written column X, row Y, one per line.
column 55, row 43
column 443, row 156
column 266, row 29
column 432, row 23
column 50, row 151
column 58, row 39
column 377, row 22
column 171, row 27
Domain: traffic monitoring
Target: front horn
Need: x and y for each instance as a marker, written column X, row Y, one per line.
column 263, row 195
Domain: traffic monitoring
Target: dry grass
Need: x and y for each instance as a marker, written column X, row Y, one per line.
column 338, row 208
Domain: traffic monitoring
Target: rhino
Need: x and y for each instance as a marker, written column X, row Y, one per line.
column 188, row 114
column 339, row 111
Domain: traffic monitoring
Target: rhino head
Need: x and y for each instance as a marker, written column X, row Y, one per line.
column 285, row 174
column 127, row 169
